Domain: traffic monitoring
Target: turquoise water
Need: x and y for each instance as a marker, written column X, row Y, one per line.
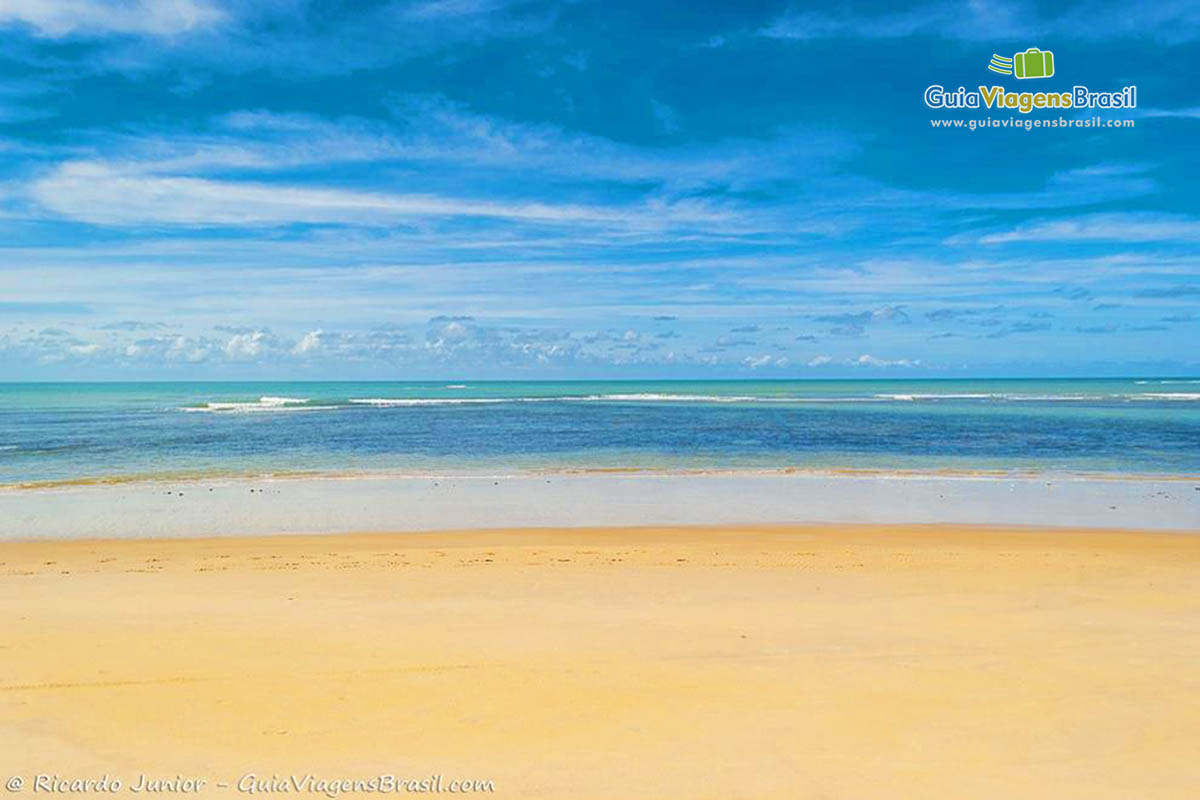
column 63, row 432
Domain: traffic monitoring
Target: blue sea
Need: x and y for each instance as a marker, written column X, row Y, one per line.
column 116, row 431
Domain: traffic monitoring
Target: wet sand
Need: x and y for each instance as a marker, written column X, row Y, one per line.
column 365, row 502
column 738, row 661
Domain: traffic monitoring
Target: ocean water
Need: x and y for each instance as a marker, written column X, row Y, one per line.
column 118, row 431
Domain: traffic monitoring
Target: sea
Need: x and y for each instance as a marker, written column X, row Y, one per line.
column 56, row 433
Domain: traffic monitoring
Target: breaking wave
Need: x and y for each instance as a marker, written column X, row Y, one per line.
column 279, row 404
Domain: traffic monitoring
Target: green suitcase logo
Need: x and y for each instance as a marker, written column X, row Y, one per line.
column 1033, row 63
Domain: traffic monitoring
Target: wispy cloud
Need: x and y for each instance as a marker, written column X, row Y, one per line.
column 23, row 307
column 92, row 18
column 430, row 130
column 103, row 194
column 863, row 360
column 1102, row 227
column 1176, row 113
column 238, row 175
column 993, row 20
column 1017, row 328
column 1192, row 290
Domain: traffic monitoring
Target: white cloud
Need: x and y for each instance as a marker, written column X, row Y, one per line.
column 820, row 25
column 991, row 20
column 1179, row 113
column 1103, row 227
column 866, row 360
column 308, row 343
column 443, row 9
column 247, row 345
column 169, row 349
column 112, row 194
column 465, row 340
column 758, row 362
column 88, row 18
column 430, row 130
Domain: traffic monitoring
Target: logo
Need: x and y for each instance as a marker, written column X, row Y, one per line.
column 1033, row 63
column 1001, row 64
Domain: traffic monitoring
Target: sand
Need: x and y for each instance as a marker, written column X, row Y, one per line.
column 735, row 662
column 243, row 506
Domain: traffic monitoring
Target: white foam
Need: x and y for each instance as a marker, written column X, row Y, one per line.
column 908, row 398
column 390, row 402
column 978, row 396
column 266, row 403
column 270, row 403
column 1166, row 396
column 385, row 402
column 681, row 398
column 1039, row 398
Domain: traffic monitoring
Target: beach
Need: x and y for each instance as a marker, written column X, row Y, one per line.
column 937, row 661
column 722, row 589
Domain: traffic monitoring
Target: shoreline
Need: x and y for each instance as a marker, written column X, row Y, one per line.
column 210, row 476
column 269, row 506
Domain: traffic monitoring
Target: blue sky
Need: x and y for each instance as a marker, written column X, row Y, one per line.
column 484, row 188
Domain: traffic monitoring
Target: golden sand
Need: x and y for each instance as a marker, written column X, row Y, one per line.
column 807, row 662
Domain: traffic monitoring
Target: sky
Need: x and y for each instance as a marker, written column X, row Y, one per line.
column 214, row 189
